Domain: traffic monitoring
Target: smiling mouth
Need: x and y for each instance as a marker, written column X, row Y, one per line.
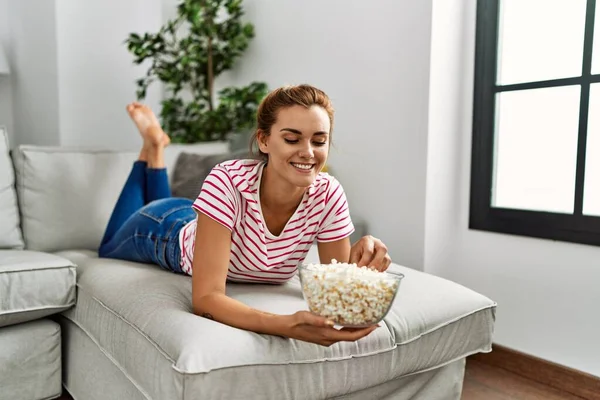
column 302, row 166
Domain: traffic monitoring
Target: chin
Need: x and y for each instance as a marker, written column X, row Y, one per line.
column 300, row 181
column 304, row 183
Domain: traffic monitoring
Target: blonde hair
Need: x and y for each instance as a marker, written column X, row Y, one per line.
column 287, row 96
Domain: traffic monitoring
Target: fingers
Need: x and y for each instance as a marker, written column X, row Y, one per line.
column 331, row 335
column 368, row 249
column 309, row 318
column 378, row 261
column 350, row 335
column 370, row 252
column 320, row 330
column 354, row 329
column 382, row 260
column 355, row 253
column 387, row 260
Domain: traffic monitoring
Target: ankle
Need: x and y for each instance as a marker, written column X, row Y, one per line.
column 154, row 137
column 143, row 157
column 155, row 156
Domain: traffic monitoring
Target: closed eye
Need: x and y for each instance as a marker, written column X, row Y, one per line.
column 294, row 141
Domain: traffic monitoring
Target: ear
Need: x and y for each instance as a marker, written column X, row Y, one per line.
column 262, row 139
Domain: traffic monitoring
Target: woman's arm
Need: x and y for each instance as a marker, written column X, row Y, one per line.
column 335, row 228
column 209, row 275
column 338, row 250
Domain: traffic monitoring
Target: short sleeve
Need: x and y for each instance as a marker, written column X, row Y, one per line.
column 217, row 198
column 336, row 223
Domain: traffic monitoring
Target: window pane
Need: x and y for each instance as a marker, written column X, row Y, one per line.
column 536, row 149
column 540, row 40
column 596, row 48
column 591, row 189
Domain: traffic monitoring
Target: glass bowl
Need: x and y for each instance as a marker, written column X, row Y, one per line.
column 349, row 296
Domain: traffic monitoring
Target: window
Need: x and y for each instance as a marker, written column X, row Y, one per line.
column 536, row 120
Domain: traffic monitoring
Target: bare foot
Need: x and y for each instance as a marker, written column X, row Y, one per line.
column 148, row 125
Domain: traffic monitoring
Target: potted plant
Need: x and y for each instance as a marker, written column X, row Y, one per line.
column 187, row 54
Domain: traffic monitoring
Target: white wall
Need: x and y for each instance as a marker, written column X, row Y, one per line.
column 6, row 111
column 32, row 54
column 373, row 61
column 72, row 75
column 96, row 73
column 547, row 292
column 447, row 82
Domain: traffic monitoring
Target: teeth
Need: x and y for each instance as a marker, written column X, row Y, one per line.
column 302, row 166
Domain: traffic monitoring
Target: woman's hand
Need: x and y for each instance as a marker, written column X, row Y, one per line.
column 306, row 326
column 370, row 252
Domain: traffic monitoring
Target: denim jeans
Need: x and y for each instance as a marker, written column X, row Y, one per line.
column 146, row 221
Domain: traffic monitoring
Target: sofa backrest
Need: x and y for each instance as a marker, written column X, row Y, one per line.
column 10, row 231
column 66, row 195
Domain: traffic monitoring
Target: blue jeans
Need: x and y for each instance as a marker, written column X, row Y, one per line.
column 146, row 221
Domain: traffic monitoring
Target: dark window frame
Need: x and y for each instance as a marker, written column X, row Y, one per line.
column 576, row 227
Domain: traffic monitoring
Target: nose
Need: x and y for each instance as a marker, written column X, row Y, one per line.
column 306, row 151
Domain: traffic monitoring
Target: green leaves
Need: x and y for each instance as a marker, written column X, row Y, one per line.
column 189, row 122
column 186, row 54
column 240, row 104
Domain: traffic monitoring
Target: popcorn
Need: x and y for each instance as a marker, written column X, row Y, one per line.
column 347, row 294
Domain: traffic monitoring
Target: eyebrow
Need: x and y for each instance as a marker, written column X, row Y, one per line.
column 297, row 132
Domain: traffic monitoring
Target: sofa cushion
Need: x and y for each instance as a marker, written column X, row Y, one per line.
column 10, row 231
column 191, row 170
column 241, row 141
column 141, row 317
column 33, row 285
column 30, row 361
column 66, row 195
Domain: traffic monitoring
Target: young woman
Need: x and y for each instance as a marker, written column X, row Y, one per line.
column 253, row 221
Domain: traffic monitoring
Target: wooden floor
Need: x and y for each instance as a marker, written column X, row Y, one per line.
column 483, row 382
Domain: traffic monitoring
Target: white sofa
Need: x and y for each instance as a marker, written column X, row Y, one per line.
column 127, row 330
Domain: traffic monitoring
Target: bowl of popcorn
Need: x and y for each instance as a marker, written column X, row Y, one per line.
column 348, row 295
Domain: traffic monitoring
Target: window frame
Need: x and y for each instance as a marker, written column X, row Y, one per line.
column 576, row 227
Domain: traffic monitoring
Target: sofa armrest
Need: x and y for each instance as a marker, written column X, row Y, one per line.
column 33, row 285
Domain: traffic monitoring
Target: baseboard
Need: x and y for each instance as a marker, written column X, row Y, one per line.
column 547, row 373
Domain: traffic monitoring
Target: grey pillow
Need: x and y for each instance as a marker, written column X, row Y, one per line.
column 240, row 141
column 10, row 228
column 192, row 169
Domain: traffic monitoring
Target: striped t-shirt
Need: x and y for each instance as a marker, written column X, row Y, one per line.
column 230, row 196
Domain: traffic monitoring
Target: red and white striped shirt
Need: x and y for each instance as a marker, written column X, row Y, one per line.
column 230, row 196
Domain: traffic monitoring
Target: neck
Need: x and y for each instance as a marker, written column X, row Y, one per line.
column 277, row 194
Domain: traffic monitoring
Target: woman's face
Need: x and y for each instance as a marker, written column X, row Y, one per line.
column 298, row 144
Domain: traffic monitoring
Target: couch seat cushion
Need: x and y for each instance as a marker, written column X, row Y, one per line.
column 33, row 285
column 30, row 361
column 141, row 318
